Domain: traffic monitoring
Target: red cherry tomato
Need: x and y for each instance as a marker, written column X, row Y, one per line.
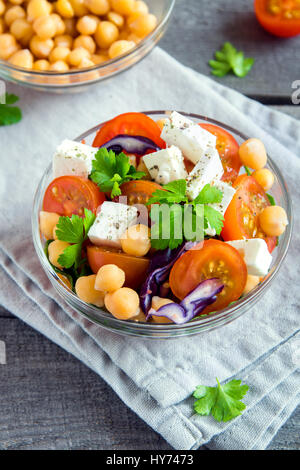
column 281, row 17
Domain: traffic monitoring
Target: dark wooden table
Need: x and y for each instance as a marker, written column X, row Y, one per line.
column 48, row 399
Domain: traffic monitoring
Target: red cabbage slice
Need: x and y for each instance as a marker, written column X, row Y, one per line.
column 159, row 270
column 193, row 304
column 131, row 144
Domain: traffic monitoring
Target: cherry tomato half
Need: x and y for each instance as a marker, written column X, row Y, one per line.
column 69, row 195
column 138, row 191
column 135, row 268
column 131, row 124
column 228, row 149
column 241, row 216
column 279, row 17
column 212, row 259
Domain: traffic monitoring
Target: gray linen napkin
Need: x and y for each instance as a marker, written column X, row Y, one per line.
column 156, row 378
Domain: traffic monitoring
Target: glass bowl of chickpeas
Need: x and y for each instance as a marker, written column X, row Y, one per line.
column 65, row 45
column 138, row 325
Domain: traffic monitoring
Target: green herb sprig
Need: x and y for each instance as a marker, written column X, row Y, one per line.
column 109, row 171
column 10, row 114
column 223, row 402
column 228, row 59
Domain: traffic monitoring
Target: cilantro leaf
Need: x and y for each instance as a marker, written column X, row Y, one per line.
column 10, row 114
column 171, row 193
column 247, row 170
column 176, row 187
column 209, row 195
column 271, row 199
column 73, row 230
column 223, row 402
column 214, row 218
column 109, row 171
column 167, row 232
column 229, row 59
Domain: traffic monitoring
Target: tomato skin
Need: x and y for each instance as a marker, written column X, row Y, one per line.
column 130, row 124
column 195, row 266
column 275, row 24
column 228, row 149
column 248, row 201
column 135, row 268
column 139, row 191
column 67, row 195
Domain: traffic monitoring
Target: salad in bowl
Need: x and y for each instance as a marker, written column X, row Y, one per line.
column 161, row 223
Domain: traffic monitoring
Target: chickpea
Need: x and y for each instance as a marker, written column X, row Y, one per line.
column 106, row 34
column 252, row 153
column 76, row 56
column 14, row 13
column 115, row 18
column 140, row 317
column 36, row 8
column 42, row 65
column 86, row 63
column 59, row 24
column 41, row 48
column 16, row 2
column 87, row 42
column 133, row 37
column 98, row 7
column 124, row 7
column 87, row 24
column 70, row 24
column 252, row 282
column 143, row 24
column 59, row 53
column 22, row 58
column 65, row 280
column 142, row 167
column 64, row 8
column 98, row 58
column 2, row 7
column 123, row 303
column 264, row 177
column 79, row 7
column 140, row 8
column 85, row 290
column 136, row 241
column 63, row 40
column 45, row 27
column 158, row 302
column 22, row 30
column 2, row 26
column 120, row 47
column 59, row 66
column 273, row 221
column 48, row 221
column 55, row 249
column 161, row 123
column 8, row 45
column 109, row 278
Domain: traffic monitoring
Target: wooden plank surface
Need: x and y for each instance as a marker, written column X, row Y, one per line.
column 199, row 28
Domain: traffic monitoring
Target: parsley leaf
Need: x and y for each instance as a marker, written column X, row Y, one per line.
column 73, row 230
column 271, row 199
column 214, row 218
column 229, row 59
column 223, row 402
column 10, row 114
column 109, row 171
column 209, row 195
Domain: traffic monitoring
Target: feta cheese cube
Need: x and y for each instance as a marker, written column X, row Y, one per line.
column 228, row 193
column 166, row 165
column 208, row 169
column 73, row 158
column 111, row 223
column 192, row 140
column 256, row 255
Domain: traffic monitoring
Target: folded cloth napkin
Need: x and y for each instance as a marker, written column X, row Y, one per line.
column 156, row 378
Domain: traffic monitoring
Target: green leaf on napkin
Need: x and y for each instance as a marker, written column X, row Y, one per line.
column 229, row 59
column 223, row 402
column 10, row 114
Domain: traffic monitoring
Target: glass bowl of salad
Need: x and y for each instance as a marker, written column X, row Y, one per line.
column 45, row 65
column 152, row 285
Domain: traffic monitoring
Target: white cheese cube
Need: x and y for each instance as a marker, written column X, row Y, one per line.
column 111, row 223
column 192, row 140
column 228, row 193
column 256, row 255
column 208, row 169
column 73, row 158
column 166, row 165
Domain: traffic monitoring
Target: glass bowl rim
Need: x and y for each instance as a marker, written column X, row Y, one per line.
column 4, row 64
column 210, row 321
